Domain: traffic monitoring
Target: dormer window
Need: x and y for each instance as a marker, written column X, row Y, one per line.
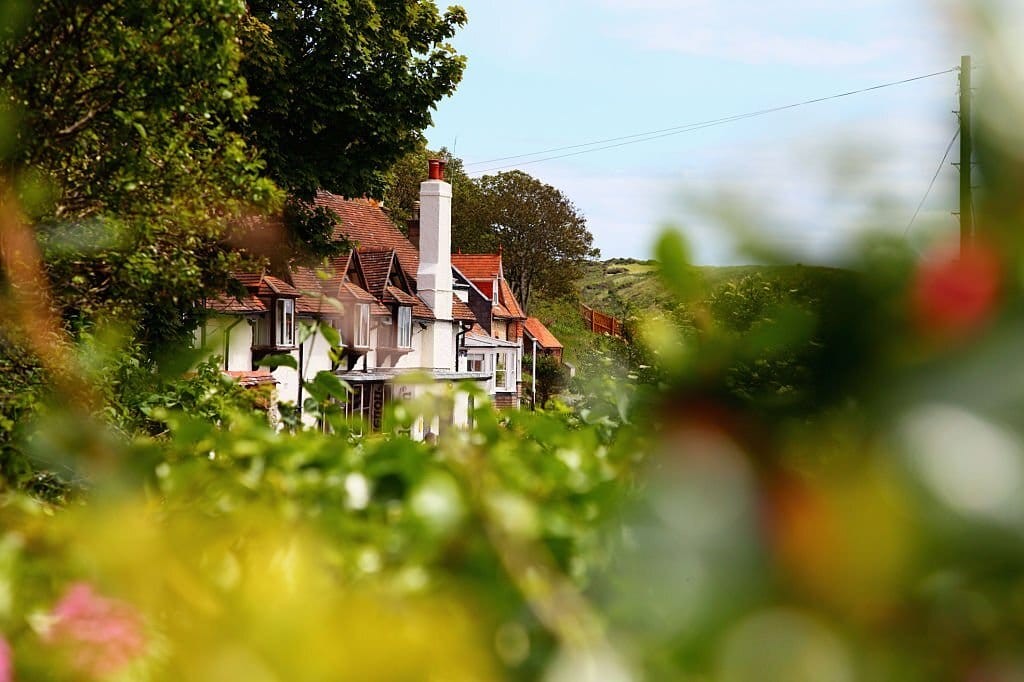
column 404, row 329
column 285, row 317
column 277, row 329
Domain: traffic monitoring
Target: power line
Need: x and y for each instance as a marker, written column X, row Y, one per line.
column 636, row 138
column 932, row 183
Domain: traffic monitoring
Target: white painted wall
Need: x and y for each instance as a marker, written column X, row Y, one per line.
column 238, row 333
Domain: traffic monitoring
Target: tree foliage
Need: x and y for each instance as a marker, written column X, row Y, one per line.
column 345, row 87
column 127, row 156
column 543, row 236
column 551, row 376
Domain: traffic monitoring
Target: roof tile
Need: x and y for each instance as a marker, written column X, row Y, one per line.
column 364, row 222
column 478, row 265
column 542, row 334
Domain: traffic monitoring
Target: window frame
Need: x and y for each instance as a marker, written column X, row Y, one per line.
column 403, row 327
column 501, row 367
column 361, row 331
column 284, row 322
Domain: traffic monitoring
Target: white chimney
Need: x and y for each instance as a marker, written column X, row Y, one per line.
column 434, row 277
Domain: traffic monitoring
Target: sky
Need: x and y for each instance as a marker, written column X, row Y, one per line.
column 552, row 73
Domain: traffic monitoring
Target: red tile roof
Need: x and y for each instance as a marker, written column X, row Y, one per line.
column 248, row 279
column 234, row 305
column 257, row 377
column 274, row 286
column 257, row 285
column 316, row 290
column 364, row 221
column 476, row 266
column 420, row 310
column 313, row 291
column 544, row 337
column 350, row 292
column 509, row 300
column 461, row 311
column 338, row 267
column 482, row 269
column 375, row 265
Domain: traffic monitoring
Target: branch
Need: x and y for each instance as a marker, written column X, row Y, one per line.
column 78, row 125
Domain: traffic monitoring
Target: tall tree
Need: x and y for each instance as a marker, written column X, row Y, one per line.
column 127, row 156
column 470, row 232
column 543, row 235
column 345, row 87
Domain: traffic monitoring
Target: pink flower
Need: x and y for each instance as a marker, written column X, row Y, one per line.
column 101, row 635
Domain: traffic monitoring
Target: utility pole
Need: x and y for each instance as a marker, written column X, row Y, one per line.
column 966, row 157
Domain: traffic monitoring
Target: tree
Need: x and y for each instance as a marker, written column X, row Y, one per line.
column 543, row 236
column 552, row 377
column 345, row 87
column 470, row 232
column 128, row 158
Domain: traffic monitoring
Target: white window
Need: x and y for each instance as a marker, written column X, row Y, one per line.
column 475, row 363
column 500, row 371
column 362, row 330
column 405, row 327
column 285, row 322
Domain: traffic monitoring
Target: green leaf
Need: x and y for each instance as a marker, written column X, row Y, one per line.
column 674, row 257
column 306, row 330
column 282, row 360
column 334, row 386
column 330, row 334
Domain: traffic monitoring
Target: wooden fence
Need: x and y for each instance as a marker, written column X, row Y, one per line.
column 600, row 323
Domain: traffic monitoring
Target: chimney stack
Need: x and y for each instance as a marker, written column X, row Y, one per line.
column 434, row 276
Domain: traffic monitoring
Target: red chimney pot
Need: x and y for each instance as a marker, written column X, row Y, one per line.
column 436, row 169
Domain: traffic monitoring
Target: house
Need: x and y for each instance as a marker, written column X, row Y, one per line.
column 400, row 309
column 495, row 344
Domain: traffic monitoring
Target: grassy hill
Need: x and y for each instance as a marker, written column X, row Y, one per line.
column 624, row 287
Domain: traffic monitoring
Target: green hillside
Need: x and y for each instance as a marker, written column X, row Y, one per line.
column 624, row 287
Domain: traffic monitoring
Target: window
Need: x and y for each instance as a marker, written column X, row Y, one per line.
column 355, row 408
column 285, row 312
column 404, row 327
column 262, row 334
column 362, row 331
column 500, row 371
column 475, row 363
